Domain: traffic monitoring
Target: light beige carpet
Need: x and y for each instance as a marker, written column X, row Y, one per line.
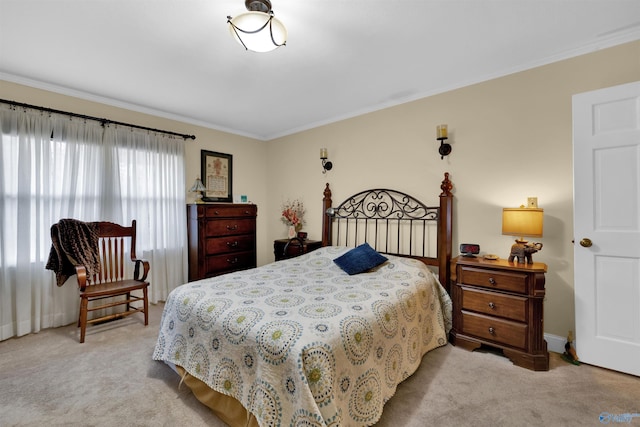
column 49, row 379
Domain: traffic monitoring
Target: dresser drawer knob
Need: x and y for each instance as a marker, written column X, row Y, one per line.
column 492, row 305
column 492, row 280
column 492, row 331
column 232, row 227
column 232, row 244
column 232, row 261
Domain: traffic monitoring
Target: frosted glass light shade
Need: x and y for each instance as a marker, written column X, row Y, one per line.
column 258, row 31
column 522, row 222
column 197, row 186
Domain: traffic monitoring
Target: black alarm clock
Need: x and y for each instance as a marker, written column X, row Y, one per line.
column 469, row 249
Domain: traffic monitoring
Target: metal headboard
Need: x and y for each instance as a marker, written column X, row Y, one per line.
column 393, row 222
column 389, row 220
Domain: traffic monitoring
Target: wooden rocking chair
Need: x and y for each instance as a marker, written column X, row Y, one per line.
column 110, row 282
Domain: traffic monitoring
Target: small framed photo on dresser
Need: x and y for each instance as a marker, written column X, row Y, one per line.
column 217, row 173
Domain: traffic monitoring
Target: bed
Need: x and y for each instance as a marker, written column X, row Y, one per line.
column 307, row 341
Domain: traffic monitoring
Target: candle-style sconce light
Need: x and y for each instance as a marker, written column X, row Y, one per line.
column 326, row 165
column 442, row 135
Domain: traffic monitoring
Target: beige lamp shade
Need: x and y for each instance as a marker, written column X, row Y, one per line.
column 522, row 222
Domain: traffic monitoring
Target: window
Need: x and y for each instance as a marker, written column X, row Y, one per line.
column 54, row 166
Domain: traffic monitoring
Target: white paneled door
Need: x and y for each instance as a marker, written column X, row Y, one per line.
column 606, row 156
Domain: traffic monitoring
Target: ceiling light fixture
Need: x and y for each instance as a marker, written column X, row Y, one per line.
column 258, row 30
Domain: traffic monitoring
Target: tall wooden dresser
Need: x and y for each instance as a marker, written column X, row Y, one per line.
column 500, row 304
column 222, row 238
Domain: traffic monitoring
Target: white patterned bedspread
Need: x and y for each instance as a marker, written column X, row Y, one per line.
column 300, row 342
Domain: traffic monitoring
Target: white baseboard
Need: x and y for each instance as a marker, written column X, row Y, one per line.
column 556, row 343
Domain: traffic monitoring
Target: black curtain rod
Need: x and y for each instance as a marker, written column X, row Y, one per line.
column 97, row 119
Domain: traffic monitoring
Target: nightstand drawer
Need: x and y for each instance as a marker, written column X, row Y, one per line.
column 219, row 245
column 493, row 329
column 494, row 304
column 500, row 280
column 294, row 249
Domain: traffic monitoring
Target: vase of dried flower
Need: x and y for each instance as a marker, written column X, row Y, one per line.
column 292, row 231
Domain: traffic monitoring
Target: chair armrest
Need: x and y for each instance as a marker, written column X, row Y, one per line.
column 81, row 273
column 136, row 271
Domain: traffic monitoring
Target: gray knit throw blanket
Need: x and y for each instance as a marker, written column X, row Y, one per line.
column 73, row 243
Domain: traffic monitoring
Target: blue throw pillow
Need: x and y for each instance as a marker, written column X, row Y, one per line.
column 359, row 259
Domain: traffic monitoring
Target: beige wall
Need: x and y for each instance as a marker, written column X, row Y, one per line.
column 511, row 139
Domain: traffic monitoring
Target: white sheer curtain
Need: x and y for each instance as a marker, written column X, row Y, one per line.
column 150, row 170
column 55, row 166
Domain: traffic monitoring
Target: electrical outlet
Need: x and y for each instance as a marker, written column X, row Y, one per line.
column 532, row 202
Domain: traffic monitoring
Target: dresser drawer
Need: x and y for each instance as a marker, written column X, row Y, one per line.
column 220, row 245
column 500, row 280
column 489, row 328
column 230, row 262
column 494, row 304
column 235, row 211
column 230, row 227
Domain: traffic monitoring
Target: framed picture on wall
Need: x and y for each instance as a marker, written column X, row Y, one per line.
column 216, row 172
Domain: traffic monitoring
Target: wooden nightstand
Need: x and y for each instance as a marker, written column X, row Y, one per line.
column 500, row 304
column 294, row 249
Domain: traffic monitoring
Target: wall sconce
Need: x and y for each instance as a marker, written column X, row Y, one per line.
column 198, row 188
column 442, row 135
column 326, row 165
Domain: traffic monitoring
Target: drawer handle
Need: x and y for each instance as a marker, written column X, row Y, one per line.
column 492, row 280
column 232, row 261
column 232, row 227
column 232, row 244
column 216, row 212
column 491, row 330
column 492, row 305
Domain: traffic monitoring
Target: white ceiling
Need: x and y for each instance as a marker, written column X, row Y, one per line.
column 176, row 59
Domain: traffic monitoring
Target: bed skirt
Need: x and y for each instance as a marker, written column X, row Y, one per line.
column 225, row 407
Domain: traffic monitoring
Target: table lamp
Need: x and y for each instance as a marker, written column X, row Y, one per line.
column 523, row 222
column 198, row 188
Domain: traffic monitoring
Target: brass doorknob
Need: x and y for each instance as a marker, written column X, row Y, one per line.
column 586, row 243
